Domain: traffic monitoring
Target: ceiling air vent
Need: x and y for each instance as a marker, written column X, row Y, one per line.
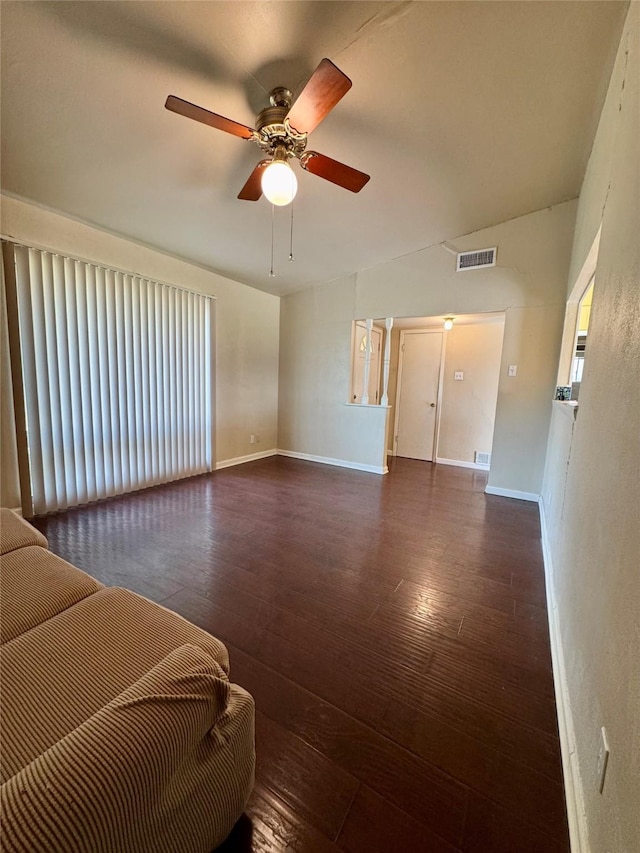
column 476, row 260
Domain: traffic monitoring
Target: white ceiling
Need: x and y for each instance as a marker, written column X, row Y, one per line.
column 464, row 114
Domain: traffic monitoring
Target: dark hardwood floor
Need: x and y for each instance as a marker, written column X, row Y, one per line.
column 392, row 630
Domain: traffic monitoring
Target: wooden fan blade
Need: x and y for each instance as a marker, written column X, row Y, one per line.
column 184, row 108
column 332, row 170
column 326, row 86
column 252, row 190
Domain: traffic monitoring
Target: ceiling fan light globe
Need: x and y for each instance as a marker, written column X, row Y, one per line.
column 279, row 183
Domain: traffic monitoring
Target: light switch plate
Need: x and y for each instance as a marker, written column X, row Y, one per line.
column 513, row 370
column 459, row 374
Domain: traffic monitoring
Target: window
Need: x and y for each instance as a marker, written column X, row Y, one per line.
column 112, row 377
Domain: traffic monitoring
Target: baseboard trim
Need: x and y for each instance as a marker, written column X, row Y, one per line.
column 240, row 460
column 339, row 463
column 576, row 814
column 457, row 463
column 512, row 493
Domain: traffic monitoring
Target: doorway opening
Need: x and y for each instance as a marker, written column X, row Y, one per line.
column 443, row 388
column 437, row 378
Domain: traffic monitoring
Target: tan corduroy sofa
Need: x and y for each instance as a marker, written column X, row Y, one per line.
column 120, row 728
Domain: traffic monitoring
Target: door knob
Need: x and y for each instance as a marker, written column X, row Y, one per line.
column 433, row 405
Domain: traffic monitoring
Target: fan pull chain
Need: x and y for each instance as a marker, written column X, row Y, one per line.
column 273, row 210
column 291, row 236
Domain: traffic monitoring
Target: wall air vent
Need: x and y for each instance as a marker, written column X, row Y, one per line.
column 482, row 458
column 476, row 260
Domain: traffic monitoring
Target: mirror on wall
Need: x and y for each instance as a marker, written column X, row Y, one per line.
column 366, row 342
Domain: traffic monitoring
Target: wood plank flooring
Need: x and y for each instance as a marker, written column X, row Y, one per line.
column 392, row 631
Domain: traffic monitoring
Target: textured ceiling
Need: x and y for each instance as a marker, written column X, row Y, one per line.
column 464, row 114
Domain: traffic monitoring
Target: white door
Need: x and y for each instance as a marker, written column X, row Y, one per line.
column 418, row 383
column 360, row 341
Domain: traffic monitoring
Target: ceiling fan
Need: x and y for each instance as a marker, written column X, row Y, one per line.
column 281, row 132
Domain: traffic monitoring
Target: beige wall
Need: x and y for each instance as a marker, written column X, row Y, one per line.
column 247, row 323
column 529, row 283
column 592, row 482
column 469, row 405
column 315, row 381
column 9, row 479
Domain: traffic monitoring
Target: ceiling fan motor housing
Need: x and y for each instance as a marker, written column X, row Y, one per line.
column 272, row 131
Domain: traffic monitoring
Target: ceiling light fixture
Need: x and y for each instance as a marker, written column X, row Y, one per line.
column 279, row 183
column 448, row 324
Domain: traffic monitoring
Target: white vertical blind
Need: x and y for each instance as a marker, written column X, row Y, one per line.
column 116, row 374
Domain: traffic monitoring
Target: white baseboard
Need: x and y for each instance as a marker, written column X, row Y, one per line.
column 512, row 493
column 459, row 464
column 340, row 463
column 240, row 460
column 573, row 788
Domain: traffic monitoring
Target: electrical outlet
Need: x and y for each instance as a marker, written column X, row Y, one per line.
column 513, row 370
column 252, row 439
column 459, row 375
column 603, row 759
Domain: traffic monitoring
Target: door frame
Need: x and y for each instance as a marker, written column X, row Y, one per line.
column 436, row 429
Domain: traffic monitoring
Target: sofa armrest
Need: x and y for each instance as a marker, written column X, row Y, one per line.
column 166, row 765
column 16, row 533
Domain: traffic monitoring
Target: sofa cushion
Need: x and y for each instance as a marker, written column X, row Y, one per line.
column 15, row 532
column 36, row 585
column 176, row 749
column 60, row 674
